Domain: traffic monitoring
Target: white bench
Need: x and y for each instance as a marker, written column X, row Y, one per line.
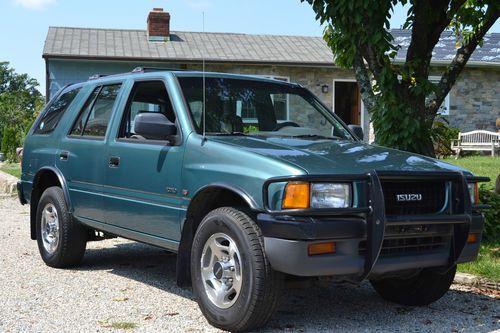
column 476, row 141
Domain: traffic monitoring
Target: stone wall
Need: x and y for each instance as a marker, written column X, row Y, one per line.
column 475, row 100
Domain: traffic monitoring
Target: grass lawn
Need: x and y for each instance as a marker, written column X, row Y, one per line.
column 479, row 165
column 13, row 169
column 488, row 262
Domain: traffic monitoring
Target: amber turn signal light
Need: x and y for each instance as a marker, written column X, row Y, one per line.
column 297, row 195
column 472, row 238
column 321, row 248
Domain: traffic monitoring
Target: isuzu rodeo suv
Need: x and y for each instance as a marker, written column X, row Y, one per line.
column 248, row 180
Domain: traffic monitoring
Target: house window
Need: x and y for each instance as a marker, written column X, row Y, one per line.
column 444, row 109
column 248, row 113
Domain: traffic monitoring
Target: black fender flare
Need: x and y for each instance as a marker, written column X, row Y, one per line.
column 188, row 228
column 235, row 189
column 34, row 207
column 62, row 182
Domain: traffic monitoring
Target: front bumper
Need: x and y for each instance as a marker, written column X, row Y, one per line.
column 286, row 248
column 363, row 236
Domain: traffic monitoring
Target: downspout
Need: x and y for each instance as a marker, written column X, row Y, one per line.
column 47, row 80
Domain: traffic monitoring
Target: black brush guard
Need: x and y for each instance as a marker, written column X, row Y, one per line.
column 458, row 213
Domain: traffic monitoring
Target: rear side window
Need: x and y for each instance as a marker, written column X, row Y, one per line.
column 84, row 113
column 54, row 112
column 94, row 117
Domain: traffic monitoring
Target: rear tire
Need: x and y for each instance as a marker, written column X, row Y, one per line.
column 228, row 259
column 426, row 287
column 61, row 241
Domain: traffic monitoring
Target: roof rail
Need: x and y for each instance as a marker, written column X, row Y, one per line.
column 154, row 69
column 96, row 76
column 136, row 70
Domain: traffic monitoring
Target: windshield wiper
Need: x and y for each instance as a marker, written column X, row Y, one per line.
column 315, row 136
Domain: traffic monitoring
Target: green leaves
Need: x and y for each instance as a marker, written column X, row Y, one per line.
column 402, row 101
column 20, row 102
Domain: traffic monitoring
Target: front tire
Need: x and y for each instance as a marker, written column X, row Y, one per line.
column 236, row 288
column 61, row 241
column 426, row 287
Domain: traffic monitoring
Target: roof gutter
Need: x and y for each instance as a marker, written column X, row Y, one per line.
column 246, row 62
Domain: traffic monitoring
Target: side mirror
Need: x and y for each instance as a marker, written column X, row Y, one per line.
column 357, row 130
column 154, row 126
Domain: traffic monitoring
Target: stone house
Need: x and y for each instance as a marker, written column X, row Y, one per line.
column 74, row 54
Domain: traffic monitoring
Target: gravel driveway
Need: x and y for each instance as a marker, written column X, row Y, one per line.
column 127, row 285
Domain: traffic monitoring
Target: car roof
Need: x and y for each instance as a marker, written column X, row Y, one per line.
column 154, row 72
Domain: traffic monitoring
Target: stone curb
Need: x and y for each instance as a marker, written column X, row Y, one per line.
column 475, row 281
column 7, row 183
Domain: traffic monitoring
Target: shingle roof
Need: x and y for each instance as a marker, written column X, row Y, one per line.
column 445, row 49
column 226, row 47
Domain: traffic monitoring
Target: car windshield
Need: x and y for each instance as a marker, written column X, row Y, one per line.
column 258, row 107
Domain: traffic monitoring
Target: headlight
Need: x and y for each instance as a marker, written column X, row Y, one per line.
column 303, row 195
column 327, row 195
column 473, row 192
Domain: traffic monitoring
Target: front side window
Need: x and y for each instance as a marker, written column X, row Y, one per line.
column 239, row 106
column 150, row 96
column 50, row 118
column 94, row 117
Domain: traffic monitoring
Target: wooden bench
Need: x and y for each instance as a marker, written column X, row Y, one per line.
column 476, row 141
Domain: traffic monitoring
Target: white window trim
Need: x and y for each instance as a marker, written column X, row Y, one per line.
column 446, row 102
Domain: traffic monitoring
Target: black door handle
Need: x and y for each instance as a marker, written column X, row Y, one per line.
column 64, row 155
column 114, row 161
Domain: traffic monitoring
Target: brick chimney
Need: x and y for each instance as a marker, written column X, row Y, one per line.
column 158, row 25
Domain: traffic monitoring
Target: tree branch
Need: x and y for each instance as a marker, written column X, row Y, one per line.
column 364, row 81
column 431, row 18
column 458, row 63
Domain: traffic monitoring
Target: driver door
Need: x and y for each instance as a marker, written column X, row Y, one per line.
column 142, row 187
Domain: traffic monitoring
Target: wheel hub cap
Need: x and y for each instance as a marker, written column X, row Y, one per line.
column 50, row 228
column 221, row 270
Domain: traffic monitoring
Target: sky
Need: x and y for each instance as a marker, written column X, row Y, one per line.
column 24, row 23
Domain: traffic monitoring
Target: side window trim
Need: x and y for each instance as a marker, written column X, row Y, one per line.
column 82, row 109
column 100, row 87
column 47, row 107
column 126, row 112
column 91, row 108
column 67, row 89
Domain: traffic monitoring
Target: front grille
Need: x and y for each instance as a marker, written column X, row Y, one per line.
column 420, row 245
column 415, row 197
column 412, row 240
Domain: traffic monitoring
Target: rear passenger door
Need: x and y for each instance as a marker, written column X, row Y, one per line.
column 143, row 183
column 82, row 153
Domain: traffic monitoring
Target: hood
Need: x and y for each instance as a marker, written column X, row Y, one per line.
column 335, row 156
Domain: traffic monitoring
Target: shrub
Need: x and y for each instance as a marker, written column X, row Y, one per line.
column 492, row 214
column 10, row 142
column 442, row 136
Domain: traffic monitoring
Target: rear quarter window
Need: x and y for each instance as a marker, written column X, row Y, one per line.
column 54, row 112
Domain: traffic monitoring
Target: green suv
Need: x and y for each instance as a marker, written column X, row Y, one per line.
column 250, row 181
